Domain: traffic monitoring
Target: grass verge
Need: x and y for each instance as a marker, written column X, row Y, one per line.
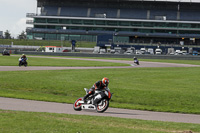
column 23, row 122
column 192, row 62
column 34, row 61
column 157, row 89
column 46, row 43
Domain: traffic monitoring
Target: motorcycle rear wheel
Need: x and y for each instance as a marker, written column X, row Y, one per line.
column 77, row 106
column 102, row 106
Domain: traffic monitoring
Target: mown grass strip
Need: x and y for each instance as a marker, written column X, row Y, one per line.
column 34, row 61
column 157, row 89
column 23, row 122
column 192, row 62
column 46, row 43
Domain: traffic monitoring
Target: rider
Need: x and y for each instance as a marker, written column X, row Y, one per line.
column 99, row 85
column 136, row 60
column 23, row 57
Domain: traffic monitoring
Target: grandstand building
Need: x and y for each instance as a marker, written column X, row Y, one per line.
column 127, row 21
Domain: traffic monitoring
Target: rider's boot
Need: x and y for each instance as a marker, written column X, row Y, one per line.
column 85, row 97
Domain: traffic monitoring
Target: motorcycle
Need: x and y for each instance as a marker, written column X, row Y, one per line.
column 136, row 61
column 5, row 53
column 99, row 101
column 22, row 61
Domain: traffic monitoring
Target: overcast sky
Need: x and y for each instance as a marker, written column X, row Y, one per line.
column 13, row 15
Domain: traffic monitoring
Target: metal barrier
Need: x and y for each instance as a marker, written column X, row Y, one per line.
column 77, row 54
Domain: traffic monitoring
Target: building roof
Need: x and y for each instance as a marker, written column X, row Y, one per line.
column 185, row 1
column 190, row 1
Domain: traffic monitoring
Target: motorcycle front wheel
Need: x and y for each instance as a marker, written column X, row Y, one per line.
column 76, row 105
column 102, row 106
column 25, row 64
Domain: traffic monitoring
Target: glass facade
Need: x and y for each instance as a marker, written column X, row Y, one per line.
column 127, row 21
column 114, row 26
column 118, row 24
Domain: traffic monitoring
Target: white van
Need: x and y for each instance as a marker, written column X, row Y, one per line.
column 150, row 51
column 143, row 50
column 158, row 51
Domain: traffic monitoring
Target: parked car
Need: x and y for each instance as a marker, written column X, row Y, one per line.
column 143, row 50
column 158, row 51
column 138, row 52
column 195, row 53
column 65, row 50
column 129, row 52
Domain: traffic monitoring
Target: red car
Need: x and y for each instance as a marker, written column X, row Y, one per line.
column 66, row 50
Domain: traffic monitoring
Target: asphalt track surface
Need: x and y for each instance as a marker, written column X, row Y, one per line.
column 40, row 106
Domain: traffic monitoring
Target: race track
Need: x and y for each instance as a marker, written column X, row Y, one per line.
column 132, row 65
column 40, row 106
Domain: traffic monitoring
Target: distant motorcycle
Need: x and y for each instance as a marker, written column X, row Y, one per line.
column 22, row 62
column 5, row 53
column 136, row 61
column 99, row 101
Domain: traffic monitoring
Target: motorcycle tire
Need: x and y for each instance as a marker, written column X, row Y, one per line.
column 77, row 107
column 102, row 106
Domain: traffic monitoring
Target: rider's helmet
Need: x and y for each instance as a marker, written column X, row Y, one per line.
column 23, row 55
column 105, row 81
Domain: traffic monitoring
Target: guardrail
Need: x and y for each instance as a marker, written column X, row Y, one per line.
column 78, row 54
column 5, row 46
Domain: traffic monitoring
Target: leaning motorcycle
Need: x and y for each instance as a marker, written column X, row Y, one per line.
column 136, row 62
column 99, row 101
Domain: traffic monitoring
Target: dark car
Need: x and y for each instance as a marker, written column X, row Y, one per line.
column 66, row 50
column 5, row 53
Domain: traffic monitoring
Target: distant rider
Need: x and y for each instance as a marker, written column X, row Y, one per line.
column 136, row 61
column 23, row 58
column 99, row 85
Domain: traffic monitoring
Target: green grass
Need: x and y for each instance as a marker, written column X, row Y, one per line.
column 157, row 89
column 46, row 43
column 50, row 62
column 23, row 122
column 34, row 61
column 193, row 62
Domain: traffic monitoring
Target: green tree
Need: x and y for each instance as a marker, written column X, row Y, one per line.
column 7, row 35
column 22, row 35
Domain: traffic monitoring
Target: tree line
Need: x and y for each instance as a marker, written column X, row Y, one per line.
column 7, row 35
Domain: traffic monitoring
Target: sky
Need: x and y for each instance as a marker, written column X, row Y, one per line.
column 13, row 15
